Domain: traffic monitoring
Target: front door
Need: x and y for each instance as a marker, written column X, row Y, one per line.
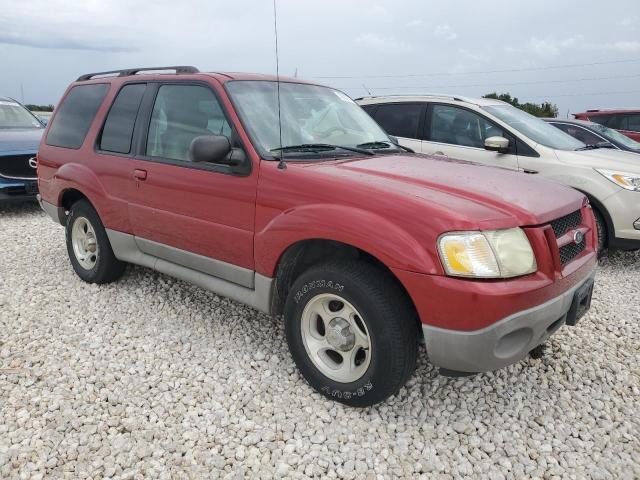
column 402, row 120
column 199, row 215
column 457, row 132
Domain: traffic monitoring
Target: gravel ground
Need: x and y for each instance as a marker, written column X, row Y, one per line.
column 152, row 377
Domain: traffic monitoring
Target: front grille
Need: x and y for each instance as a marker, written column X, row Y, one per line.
column 17, row 166
column 563, row 224
column 560, row 227
column 571, row 251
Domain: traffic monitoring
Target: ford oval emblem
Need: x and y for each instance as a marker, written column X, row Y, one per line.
column 578, row 237
column 33, row 163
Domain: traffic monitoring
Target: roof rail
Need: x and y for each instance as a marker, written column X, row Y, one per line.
column 134, row 71
column 433, row 95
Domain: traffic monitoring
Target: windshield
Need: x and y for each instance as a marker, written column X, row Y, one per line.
column 310, row 115
column 535, row 129
column 615, row 135
column 14, row 115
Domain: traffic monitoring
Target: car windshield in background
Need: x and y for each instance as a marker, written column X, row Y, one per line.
column 314, row 118
column 615, row 135
column 532, row 127
column 14, row 115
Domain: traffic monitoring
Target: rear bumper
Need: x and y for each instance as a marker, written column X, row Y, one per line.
column 502, row 343
column 57, row 214
column 17, row 189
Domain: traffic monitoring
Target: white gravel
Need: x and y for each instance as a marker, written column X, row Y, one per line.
column 151, row 377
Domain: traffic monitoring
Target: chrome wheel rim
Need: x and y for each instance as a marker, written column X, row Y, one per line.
column 336, row 338
column 85, row 243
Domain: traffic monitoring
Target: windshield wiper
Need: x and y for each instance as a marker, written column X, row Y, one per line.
column 586, row 147
column 381, row 145
column 319, row 147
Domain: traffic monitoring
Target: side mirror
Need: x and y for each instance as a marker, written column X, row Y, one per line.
column 210, row 148
column 496, row 144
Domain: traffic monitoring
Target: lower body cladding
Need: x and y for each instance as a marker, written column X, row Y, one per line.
column 510, row 339
column 17, row 189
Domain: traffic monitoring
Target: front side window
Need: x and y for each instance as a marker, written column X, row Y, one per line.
column 309, row 115
column 180, row 114
column 118, row 127
column 533, row 128
column 579, row 133
column 14, row 115
column 458, row 126
column 400, row 119
column 75, row 115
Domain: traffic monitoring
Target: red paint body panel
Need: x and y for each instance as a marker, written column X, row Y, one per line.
column 394, row 207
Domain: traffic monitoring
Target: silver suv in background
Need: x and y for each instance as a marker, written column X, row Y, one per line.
column 495, row 133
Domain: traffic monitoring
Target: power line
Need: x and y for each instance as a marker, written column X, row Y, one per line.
column 498, row 83
column 478, row 72
column 582, row 94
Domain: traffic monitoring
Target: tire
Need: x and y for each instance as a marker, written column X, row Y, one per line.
column 88, row 247
column 602, row 231
column 378, row 314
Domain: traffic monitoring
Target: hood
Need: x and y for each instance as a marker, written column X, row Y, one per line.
column 20, row 140
column 602, row 158
column 465, row 190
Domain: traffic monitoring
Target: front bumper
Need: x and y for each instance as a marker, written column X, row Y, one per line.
column 502, row 343
column 624, row 210
column 17, row 189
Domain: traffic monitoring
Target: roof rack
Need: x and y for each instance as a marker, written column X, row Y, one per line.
column 134, row 71
column 432, row 95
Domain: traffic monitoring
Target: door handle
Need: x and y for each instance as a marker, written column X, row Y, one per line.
column 440, row 153
column 140, row 174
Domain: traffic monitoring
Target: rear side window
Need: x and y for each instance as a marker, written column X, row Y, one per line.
column 75, row 115
column 118, row 127
column 400, row 120
column 633, row 123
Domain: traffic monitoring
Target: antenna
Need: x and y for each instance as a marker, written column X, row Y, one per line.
column 281, row 164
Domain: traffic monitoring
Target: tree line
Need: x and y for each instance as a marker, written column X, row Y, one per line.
column 544, row 109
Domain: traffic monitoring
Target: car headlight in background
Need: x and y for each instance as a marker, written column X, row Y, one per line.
column 628, row 181
column 488, row 254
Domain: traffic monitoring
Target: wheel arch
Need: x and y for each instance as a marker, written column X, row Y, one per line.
column 304, row 254
column 601, row 209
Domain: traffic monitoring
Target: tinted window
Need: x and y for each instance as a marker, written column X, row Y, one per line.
column 118, row 128
column 618, row 122
column 582, row 134
column 180, row 114
column 633, row 123
column 458, row 126
column 400, row 120
column 75, row 115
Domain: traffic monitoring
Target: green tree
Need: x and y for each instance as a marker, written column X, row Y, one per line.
column 39, row 108
column 544, row 109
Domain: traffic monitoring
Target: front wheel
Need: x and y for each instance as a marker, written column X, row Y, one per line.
column 602, row 231
column 351, row 331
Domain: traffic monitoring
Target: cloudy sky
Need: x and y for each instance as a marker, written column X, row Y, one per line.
column 577, row 54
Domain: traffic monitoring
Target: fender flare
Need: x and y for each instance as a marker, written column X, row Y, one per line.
column 351, row 226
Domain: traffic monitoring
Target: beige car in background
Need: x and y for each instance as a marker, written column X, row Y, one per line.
column 495, row 133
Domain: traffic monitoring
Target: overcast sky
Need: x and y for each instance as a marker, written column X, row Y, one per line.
column 400, row 46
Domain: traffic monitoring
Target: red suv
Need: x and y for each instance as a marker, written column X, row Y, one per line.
column 626, row 121
column 286, row 196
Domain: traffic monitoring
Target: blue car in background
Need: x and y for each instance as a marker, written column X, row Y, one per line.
column 20, row 134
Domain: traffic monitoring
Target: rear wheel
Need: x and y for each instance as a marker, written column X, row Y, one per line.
column 351, row 331
column 88, row 246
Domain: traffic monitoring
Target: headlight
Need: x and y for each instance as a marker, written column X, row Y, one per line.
column 628, row 181
column 490, row 254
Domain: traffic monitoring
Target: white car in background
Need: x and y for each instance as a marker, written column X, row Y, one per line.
column 495, row 133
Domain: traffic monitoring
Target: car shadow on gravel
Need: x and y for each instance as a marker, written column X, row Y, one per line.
column 10, row 209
